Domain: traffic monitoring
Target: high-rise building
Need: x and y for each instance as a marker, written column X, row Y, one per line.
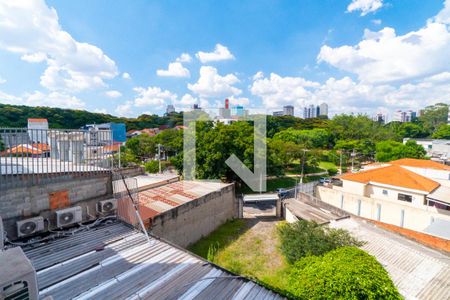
column 323, row 109
column 404, row 116
column 170, row 109
column 238, row 111
column 224, row 112
column 288, row 110
column 380, row 118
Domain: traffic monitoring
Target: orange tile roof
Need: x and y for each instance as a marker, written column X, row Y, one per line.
column 420, row 163
column 41, row 146
column 396, row 176
column 37, row 120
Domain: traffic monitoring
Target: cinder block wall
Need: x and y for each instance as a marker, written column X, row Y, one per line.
column 42, row 200
column 186, row 224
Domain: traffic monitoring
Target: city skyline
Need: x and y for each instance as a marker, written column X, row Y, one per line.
column 292, row 53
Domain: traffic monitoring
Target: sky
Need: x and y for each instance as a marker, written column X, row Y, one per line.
column 127, row 58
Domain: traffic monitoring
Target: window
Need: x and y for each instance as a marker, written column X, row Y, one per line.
column 403, row 197
column 385, row 192
column 437, row 204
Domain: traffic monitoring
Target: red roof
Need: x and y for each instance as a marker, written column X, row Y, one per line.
column 394, row 175
column 37, row 120
column 420, row 163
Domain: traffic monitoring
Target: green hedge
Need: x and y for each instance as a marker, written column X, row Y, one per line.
column 344, row 273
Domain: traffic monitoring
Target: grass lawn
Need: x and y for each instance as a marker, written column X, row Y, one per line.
column 327, row 165
column 248, row 248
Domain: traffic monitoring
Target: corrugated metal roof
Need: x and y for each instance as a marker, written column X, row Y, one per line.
column 417, row 271
column 116, row 262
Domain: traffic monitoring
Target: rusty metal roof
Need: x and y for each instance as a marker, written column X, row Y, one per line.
column 116, row 262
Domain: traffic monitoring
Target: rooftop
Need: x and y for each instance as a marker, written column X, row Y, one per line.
column 116, row 262
column 420, row 163
column 37, row 120
column 418, row 271
column 394, row 175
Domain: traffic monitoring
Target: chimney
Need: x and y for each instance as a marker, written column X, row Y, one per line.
column 227, row 103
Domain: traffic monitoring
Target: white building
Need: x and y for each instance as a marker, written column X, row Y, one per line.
column 170, row 109
column 323, row 109
column 37, row 130
column 409, row 193
column 404, row 116
column 288, row 110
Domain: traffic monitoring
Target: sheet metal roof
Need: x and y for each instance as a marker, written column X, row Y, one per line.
column 440, row 228
column 166, row 197
column 417, row 271
column 116, row 262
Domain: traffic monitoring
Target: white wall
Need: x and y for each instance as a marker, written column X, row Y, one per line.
column 415, row 217
column 430, row 173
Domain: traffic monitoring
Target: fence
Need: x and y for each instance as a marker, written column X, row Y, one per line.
column 30, row 156
column 306, row 188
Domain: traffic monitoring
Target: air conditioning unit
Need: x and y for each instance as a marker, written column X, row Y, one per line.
column 107, row 206
column 68, row 216
column 18, row 277
column 29, row 226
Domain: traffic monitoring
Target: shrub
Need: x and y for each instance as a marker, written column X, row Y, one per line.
column 304, row 238
column 344, row 273
column 332, row 171
column 152, row 166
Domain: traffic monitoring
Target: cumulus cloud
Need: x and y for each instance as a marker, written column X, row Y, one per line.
column 125, row 109
column 38, row 98
column 365, row 6
column 211, row 84
column 184, row 58
column 113, row 94
column 2, row 80
column 125, row 75
column 100, row 110
column 444, row 15
column 32, row 30
column 175, row 69
column 384, row 56
column 153, row 96
column 220, row 53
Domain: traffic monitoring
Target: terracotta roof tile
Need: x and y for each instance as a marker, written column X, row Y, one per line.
column 396, row 176
column 420, row 163
column 37, row 120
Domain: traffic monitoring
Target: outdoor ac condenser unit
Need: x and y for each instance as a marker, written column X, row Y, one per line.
column 29, row 226
column 17, row 276
column 68, row 216
column 107, row 206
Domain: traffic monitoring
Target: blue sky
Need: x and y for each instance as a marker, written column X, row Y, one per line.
column 363, row 56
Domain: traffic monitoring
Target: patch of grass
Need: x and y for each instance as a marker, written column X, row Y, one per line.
column 219, row 238
column 255, row 253
column 327, row 165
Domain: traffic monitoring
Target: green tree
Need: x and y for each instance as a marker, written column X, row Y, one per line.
column 412, row 130
column 443, row 132
column 142, row 146
column 344, row 273
column 304, row 238
column 313, row 138
column 434, row 116
column 391, row 150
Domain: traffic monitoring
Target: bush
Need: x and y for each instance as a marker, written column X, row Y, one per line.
column 152, row 166
column 332, row 171
column 304, row 238
column 344, row 273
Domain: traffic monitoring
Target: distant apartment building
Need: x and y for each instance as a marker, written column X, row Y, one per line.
column 408, row 193
column 437, row 149
column 170, row 109
column 313, row 111
column 118, row 130
column 404, row 116
column 37, row 130
column 288, row 110
column 380, row 118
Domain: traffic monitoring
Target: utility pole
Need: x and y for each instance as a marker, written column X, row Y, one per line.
column 119, row 156
column 159, row 157
column 303, row 166
column 340, row 163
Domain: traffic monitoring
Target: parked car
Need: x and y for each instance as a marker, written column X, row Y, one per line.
column 282, row 192
column 323, row 180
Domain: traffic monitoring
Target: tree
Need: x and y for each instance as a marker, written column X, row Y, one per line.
column 304, row 238
column 142, row 146
column 434, row 116
column 313, row 138
column 344, row 273
column 443, row 132
column 391, row 150
column 412, row 130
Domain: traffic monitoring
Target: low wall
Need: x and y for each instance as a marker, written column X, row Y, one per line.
column 43, row 199
column 132, row 171
column 187, row 223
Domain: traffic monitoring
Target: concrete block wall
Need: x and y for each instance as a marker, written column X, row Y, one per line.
column 186, row 224
column 41, row 200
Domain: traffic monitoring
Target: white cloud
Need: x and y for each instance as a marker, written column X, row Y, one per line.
column 113, row 94
column 2, row 80
column 239, row 101
column 211, row 84
column 100, row 110
column 258, row 75
column 187, row 100
column 175, row 69
column 125, row 109
column 384, row 56
column 153, row 96
column 125, row 75
column 277, row 91
column 38, row 98
column 220, row 53
column 32, row 29
column 184, row 58
column 365, row 6
column 444, row 15
column 376, row 21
